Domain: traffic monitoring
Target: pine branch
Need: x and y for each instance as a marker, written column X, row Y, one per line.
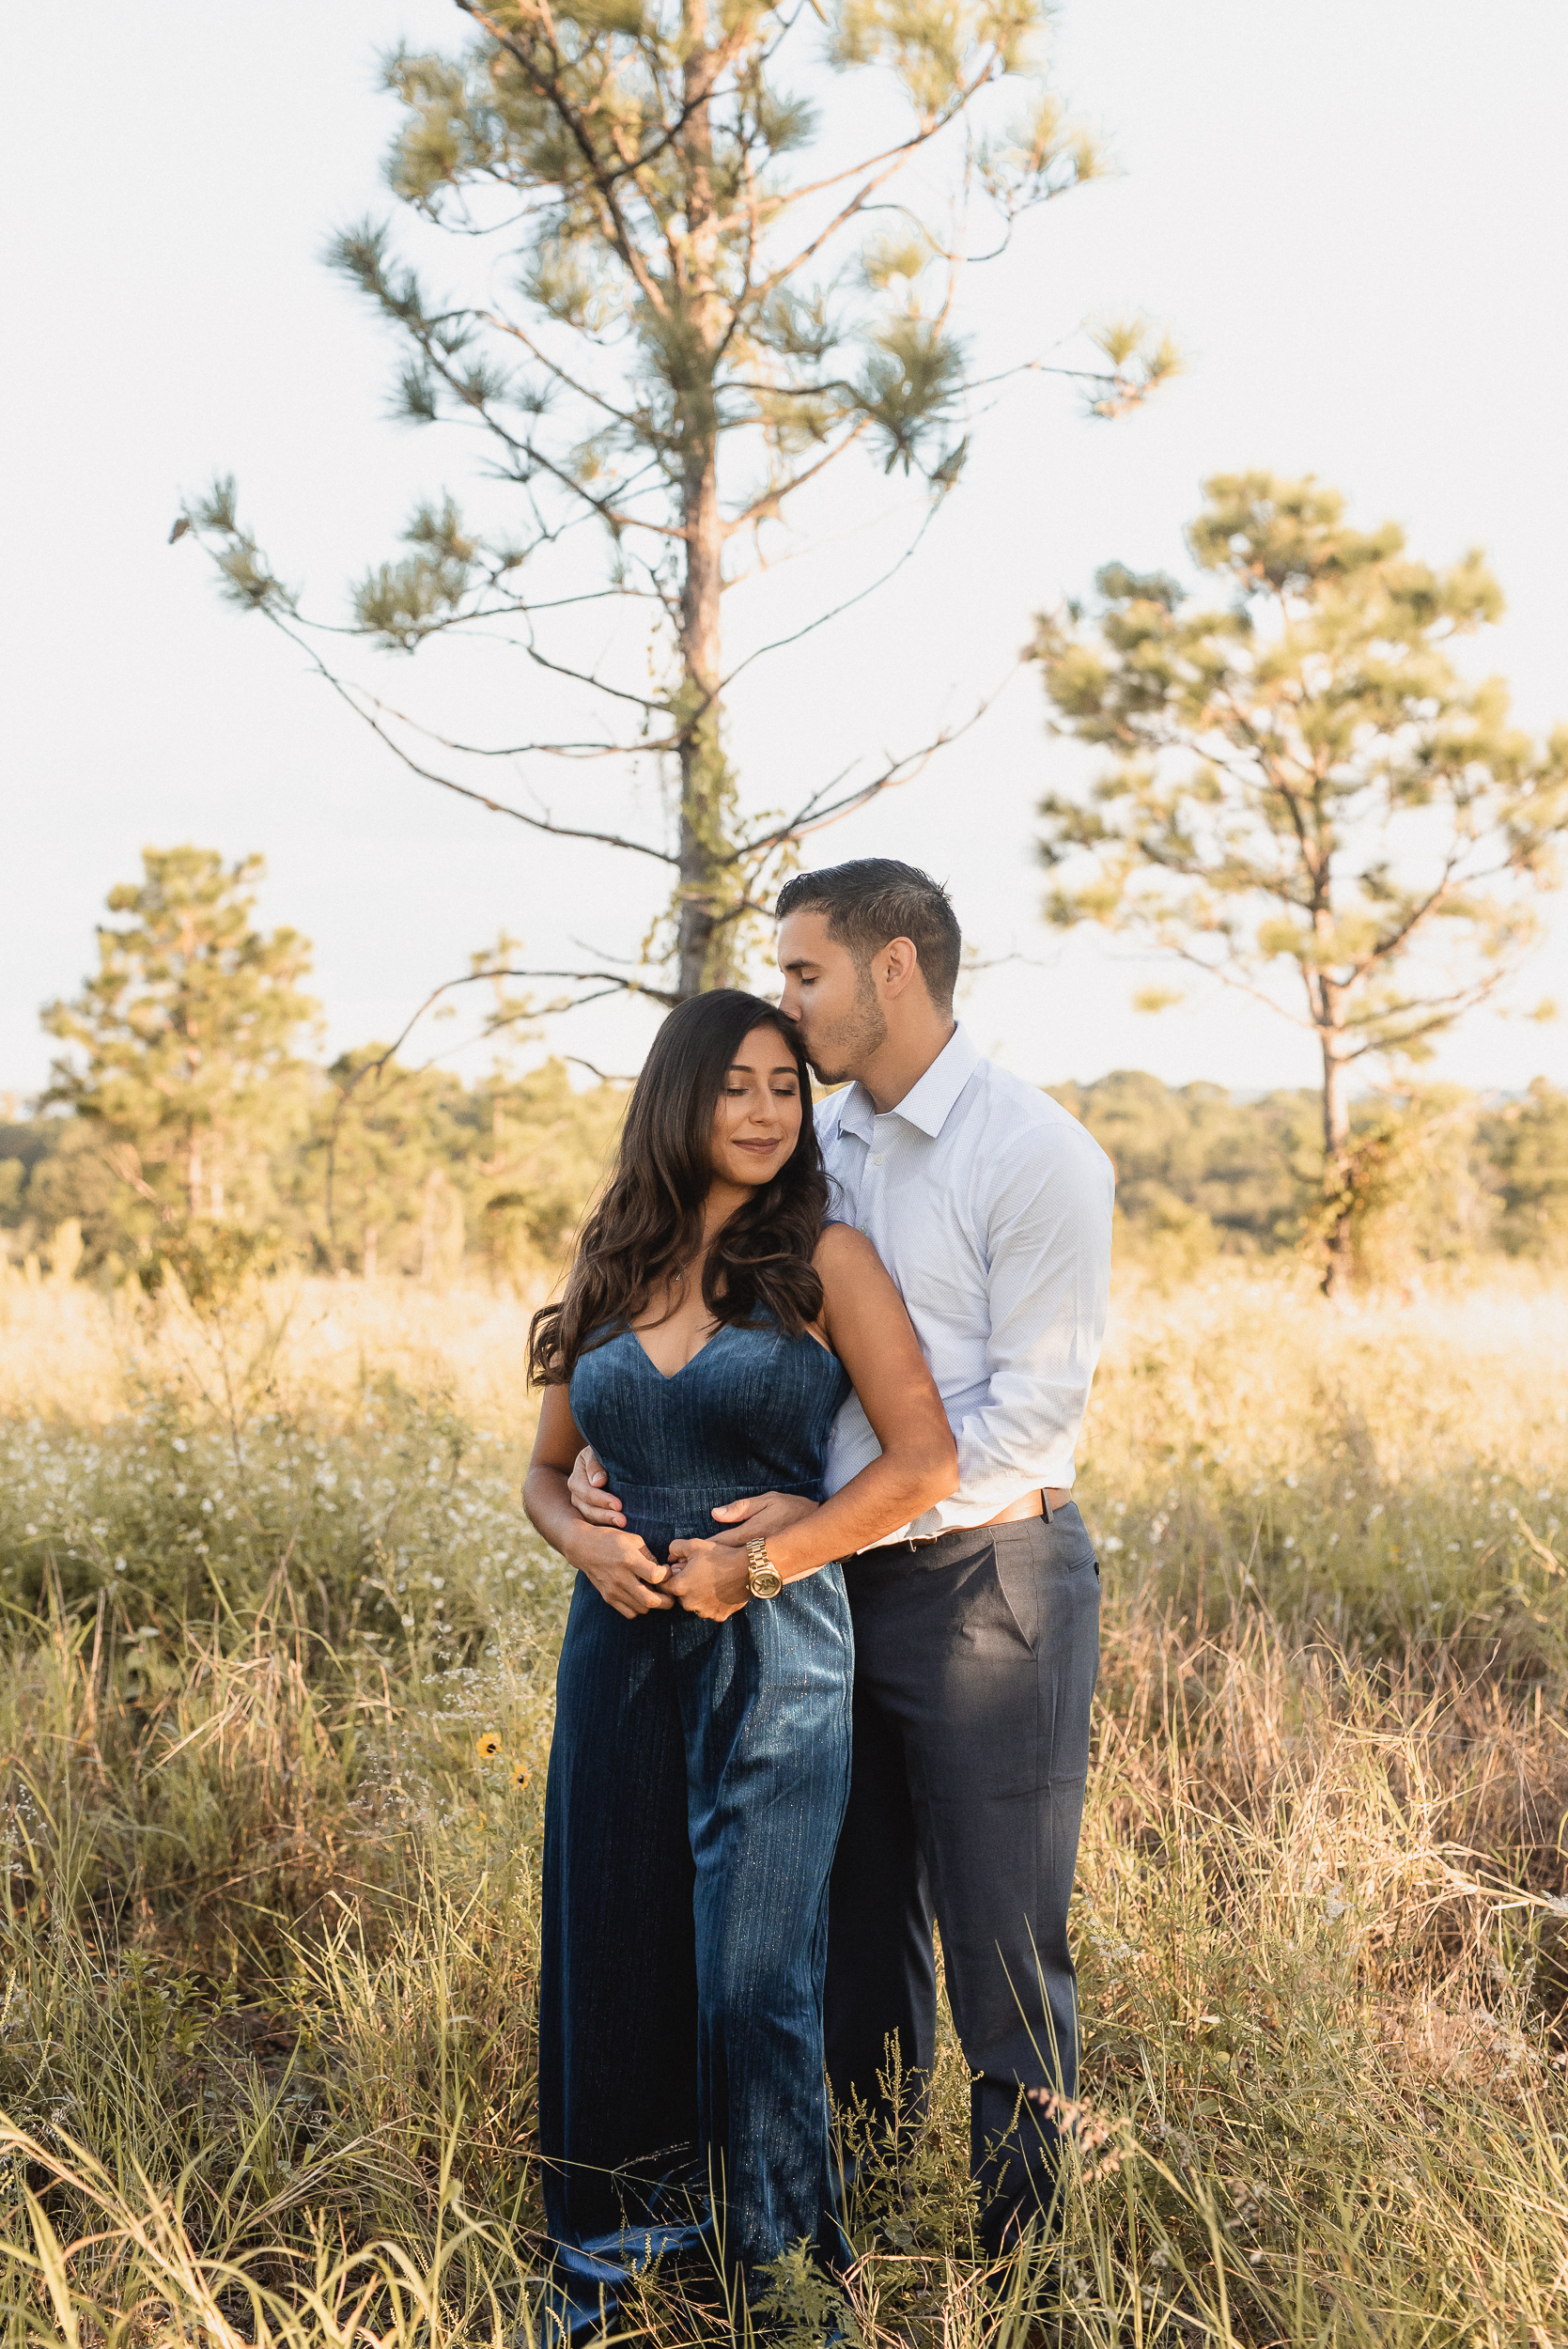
column 539, row 458
column 1443, row 1012
column 895, row 158
column 536, row 351
column 766, row 507
column 549, row 85
column 816, row 815
column 779, row 643
column 640, row 155
column 448, row 783
column 1243, row 986
column 584, row 750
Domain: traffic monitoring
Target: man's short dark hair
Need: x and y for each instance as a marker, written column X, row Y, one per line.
column 873, row 900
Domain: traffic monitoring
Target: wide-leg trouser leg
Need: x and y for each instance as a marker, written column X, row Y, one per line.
column 698, row 1778
column 618, row 1971
column 880, row 1908
column 976, row 1659
column 768, row 1772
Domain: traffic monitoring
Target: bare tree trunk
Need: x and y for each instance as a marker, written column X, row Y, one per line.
column 1337, row 1198
column 702, row 763
column 1326, row 999
column 703, row 958
column 193, row 1173
column 435, row 1183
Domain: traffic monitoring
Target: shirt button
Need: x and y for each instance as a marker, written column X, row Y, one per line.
column 877, row 1160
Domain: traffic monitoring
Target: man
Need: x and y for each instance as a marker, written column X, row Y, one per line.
column 976, row 1628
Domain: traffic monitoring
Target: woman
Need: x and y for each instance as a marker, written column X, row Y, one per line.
column 712, row 1323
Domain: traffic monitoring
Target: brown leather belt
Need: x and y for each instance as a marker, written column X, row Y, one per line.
column 1053, row 1498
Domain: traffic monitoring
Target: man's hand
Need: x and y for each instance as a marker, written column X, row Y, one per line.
column 709, row 1580
column 621, row 1569
column 754, row 1518
column 585, row 1485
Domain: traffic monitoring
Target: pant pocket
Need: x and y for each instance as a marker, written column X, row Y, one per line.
column 1030, row 1576
column 1017, row 1581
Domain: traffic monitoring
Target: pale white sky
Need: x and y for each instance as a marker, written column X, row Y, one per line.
column 1353, row 218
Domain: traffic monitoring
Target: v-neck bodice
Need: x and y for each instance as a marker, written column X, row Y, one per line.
column 748, row 1413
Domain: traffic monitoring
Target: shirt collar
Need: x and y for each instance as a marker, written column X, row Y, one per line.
column 928, row 1101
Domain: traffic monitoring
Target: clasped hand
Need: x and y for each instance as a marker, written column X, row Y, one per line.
column 706, row 1577
column 711, row 1577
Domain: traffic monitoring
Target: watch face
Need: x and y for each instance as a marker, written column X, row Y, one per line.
column 765, row 1581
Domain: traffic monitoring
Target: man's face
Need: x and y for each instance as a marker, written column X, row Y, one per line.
column 834, row 1001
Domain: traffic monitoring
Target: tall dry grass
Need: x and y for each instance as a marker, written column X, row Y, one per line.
column 302, row 1344
column 272, row 1735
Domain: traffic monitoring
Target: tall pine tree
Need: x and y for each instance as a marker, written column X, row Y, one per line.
column 1304, row 783
column 182, row 1041
column 699, row 297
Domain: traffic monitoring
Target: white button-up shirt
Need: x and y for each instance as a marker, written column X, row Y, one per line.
column 990, row 1206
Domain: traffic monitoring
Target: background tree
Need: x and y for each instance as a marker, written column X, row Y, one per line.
column 185, row 1065
column 707, row 304
column 1247, row 1171
column 376, row 1167
column 1304, row 779
column 1528, row 1143
column 406, row 1166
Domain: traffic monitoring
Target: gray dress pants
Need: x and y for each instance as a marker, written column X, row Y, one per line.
column 975, row 1661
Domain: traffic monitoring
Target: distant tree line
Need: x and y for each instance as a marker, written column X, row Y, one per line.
column 436, row 1176
column 199, row 1136
column 433, row 1176
column 1441, row 1175
column 188, row 1129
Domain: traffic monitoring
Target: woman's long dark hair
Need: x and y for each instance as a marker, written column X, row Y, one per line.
column 650, row 1222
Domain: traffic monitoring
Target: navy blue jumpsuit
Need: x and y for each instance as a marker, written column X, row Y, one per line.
column 697, row 1784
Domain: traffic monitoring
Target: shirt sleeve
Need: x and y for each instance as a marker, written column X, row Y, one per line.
column 1048, row 1250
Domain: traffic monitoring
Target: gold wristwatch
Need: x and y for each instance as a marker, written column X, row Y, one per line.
column 762, row 1579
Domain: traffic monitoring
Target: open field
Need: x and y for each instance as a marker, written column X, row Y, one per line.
column 273, row 1731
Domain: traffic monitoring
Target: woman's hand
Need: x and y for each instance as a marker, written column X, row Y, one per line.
column 621, row 1569
column 709, row 1580
column 620, row 1565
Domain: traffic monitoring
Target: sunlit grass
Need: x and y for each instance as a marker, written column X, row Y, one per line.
column 272, row 1732
column 69, row 1353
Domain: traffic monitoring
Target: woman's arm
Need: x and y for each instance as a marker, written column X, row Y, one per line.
column 874, row 1340
column 619, row 1565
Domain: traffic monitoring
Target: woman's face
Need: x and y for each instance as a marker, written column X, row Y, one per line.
column 756, row 1121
